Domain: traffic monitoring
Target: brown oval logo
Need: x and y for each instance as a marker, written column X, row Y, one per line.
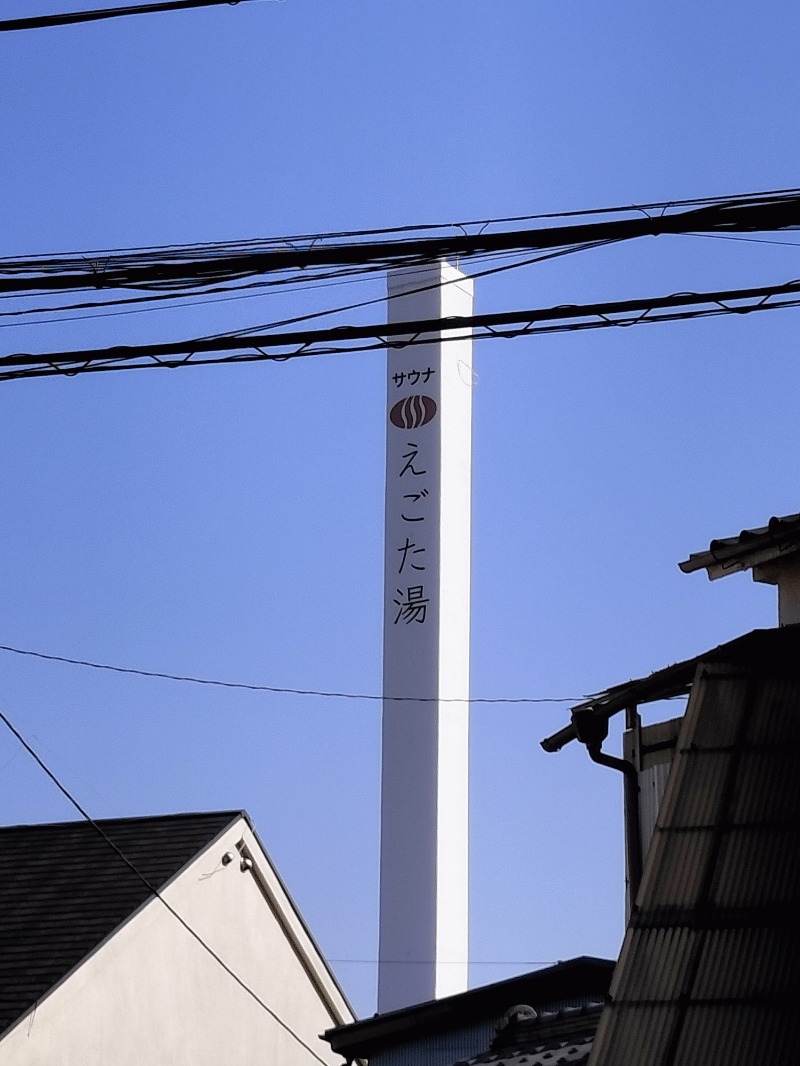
column 413, row 412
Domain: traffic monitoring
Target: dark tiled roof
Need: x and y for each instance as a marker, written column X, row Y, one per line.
column 578, row 981
column 546, row 1039
column 731, row 553
column 63, row 890
column 710, row 967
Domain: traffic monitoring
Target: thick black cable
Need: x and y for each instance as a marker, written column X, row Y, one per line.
column 274, row 688
column 232, row 292
column 182, row 298
column 90, row 260
column 154, row 891
column 396, row 334
column 41, row 22
column 487, row 272
column 257, row 355
column 731, row 216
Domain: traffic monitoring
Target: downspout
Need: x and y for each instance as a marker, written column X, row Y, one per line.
column 591, row 730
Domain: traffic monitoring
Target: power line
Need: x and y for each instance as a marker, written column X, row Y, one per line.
column 232, row 292
column 229, row 293
column 749, row 240
column 446, row 962
column 166, row 300
column 274, row 688
column 154, row 891
column 185, row 267
column 338, row 340
column 40, row 22
column 192, row 932
column 90, row 260
column 488, row 272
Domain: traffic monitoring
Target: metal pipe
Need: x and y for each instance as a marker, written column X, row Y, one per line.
column 591, row 731
column 633, row 839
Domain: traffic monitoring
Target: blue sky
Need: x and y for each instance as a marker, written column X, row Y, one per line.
column 227, row 522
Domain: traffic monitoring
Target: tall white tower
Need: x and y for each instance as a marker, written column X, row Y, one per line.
column 423, row 951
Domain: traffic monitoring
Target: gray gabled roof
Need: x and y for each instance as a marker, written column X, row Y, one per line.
column 710, row 968
column 726, row 555
column 63, row 890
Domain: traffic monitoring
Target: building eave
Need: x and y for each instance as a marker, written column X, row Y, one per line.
column 752, row 547
column 677, row 679
column 585, row 974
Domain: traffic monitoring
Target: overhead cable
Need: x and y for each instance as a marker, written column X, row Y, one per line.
column 90, row 260
column 276, row 689
column 284, row 345
column 769, row 213
column 41, row 22
column 241, row 290
column 438, row 284
column 446, row 962
column 155, row 892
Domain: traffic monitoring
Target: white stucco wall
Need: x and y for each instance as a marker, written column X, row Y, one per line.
column 151, row 994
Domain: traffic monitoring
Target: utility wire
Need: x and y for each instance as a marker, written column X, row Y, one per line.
column 285, row 345
column 748, row 214
column 447, row 962
column 41, row 22
column 194, row 297
column 154, row 891
column 749, row 240
column 274, row 688
column 234, row 292
column 435, row 285
column 90, row 261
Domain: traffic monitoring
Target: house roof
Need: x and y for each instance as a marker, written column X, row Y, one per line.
column 710, row 966
column 781, row 536
column 63, row 891
column 765, row 646
column 579, row 980
column 555, row 1038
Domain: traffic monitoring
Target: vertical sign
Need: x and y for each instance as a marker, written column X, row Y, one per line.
column 423, row 951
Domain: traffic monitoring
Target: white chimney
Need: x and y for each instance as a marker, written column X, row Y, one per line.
column 424, row 789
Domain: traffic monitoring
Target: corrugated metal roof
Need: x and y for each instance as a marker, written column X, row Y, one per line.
column 710, row 968
column 63, row 890
column 737, row 553
column 759, row 646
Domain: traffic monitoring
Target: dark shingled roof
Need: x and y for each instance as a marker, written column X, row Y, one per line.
column 63, row 890
column 581, row 980
column 552, row 1038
